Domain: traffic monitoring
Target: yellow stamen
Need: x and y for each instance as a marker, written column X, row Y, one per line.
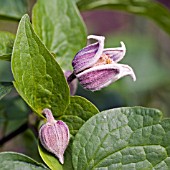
column 104, row 59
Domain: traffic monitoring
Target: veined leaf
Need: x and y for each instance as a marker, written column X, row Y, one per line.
column 149, row 8
column 5, row 88
column 16, row 161
column 60, row 27
column 78, row 112
column 6, row 45
column 38, row 78
column 13, row 10
column 123, row 138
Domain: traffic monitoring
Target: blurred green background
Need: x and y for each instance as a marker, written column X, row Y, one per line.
column 148, row 53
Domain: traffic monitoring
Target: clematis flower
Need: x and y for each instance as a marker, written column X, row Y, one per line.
column 96, row 67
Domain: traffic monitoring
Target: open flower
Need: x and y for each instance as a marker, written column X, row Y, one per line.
column 96, row 67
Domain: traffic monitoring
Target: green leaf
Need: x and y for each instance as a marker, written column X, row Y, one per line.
column 5, row 88
column 53, row 162
column 123, row 138
column 13, row 114
column 149, row 8
column 16, row 161
column 60, row 27
column 6, row 45
column 38, row 78
column 13, row 10
column 78, row 112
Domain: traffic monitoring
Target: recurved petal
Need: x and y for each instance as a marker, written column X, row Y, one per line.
column 89, row 55
column 116, row 54
column 101, row 76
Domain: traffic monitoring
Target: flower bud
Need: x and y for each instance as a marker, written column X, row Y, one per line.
column 72, row 84
column 54, row 135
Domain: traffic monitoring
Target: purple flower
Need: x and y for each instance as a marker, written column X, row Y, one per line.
column 96, row 67
column 73, row 84
column 54, row 135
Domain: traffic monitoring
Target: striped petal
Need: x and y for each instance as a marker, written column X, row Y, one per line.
column 89, row 55
column 101, row 76
column 115, row 54
column 54, row 136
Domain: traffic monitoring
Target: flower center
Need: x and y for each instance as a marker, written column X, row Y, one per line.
column 104, row 59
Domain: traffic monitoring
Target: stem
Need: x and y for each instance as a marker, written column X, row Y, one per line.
column 49, row 116
column 34, row 130
column 21, row 129
column 71, row 78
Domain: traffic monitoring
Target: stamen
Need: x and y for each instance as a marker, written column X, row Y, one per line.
column 104, row 59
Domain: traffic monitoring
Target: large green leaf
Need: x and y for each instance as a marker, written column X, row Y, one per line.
column 16, row 161
column 124, row 138
column 53, row 162
column 5, row 88
column 14, row 9
column 148, row 8
column 60, row 27
column 6, row 45
column 38, row 78
column 78, row 112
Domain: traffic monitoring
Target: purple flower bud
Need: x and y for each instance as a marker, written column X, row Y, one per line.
column 96, row 67
column 72, row 84
column 54, row 135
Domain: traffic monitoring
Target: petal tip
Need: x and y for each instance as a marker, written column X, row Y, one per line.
column 123, row 48
column 133, row 76
column 61, row 159
column 96, row 37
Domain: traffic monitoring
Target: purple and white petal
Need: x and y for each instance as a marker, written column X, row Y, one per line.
column 89, row 55
column 101, row 76
column 126, row 70
column 54, row 136
column 116, row 54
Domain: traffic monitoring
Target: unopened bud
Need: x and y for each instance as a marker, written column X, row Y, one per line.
column 72, row 84
column 54, row 135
